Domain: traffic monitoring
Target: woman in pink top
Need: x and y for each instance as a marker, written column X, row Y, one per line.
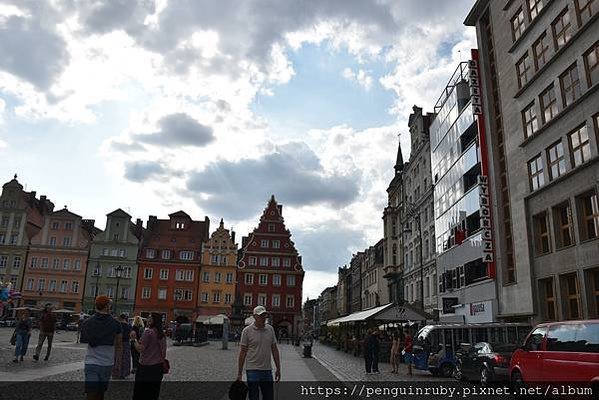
column 152, row 349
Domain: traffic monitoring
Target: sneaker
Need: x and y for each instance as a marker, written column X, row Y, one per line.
column 376, row 372
column 15, row 360
column 46, row 358
column 36, row 357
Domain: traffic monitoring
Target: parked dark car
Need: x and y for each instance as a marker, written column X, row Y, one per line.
column 485, row 362
column 565, row 351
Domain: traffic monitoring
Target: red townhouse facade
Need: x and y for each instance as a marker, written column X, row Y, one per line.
column 270, row 272
column 169, row 267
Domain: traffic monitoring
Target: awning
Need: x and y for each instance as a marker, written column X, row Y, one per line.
column 360, row 315
column 63, row 311
column 212, row 319
column 386, row 313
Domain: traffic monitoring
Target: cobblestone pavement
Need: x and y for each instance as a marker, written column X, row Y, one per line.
column 347, row 367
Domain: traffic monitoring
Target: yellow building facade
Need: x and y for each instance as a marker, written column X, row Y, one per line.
column 218, row 277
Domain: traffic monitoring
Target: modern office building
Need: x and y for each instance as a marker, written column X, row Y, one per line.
column 539, row 77
column 464, row 240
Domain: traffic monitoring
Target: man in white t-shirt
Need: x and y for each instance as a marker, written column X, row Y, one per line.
column 258, row 342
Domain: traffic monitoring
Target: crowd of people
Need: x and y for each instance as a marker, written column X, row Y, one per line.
column 402, row 347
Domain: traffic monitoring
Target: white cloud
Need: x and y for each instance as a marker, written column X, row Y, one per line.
column 361, row 77
column 316, row 281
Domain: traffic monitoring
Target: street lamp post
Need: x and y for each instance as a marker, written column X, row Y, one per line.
column 119, row 273
column 97, row 275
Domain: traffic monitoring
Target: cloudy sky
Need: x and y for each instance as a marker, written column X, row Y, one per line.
column 212, row 106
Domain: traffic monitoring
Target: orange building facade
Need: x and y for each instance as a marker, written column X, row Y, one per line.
column 57, row 262
column 169, row 267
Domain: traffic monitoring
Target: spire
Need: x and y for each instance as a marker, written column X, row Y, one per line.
column 222, row 224
column 399, row 162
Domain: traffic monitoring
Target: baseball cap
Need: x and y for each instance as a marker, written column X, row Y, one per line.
column 259, row 310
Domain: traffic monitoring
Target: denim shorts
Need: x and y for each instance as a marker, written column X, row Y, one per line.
column 408, row 358
column 97, row 378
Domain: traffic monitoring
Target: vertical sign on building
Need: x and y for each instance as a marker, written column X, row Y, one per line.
column 483, row 179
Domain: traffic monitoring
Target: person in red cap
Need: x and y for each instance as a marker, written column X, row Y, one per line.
column 258, row 343
column 103, row 335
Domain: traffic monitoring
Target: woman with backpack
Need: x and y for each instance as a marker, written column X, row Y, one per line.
column 152, row 360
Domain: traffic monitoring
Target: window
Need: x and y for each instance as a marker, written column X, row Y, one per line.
column 189, row 275
column 114, row 252
column 228, row 298
column 166, row 254
column 534, row 341
column 541, row 229
column 30, row 284
column 276, row 280
column 179, row 275
column 588, row 209
column 63, row 286
column 52, row 286
column 276, row 300
column 204, row 297
column 16, row 262
column 264, row 243
column 17, row 224
column 4, row 261
column 594, row 279
column 562, row 29
column 286, row 262
column 580, row 148
column 41, row 285
column 229, row 277
column 150, row 253
column 214, row 259
column 571, row 296
column 249, row 279
column 217, row 277
column 541, row 51
column 549, row 304
column 44, row 263
column 216, row 297
column 534, row 7
column 247, row 299
column 68, row 226
column 529, row 119
column 262, row 299
column 276, row 244
column 263, row 261
column 162, row 293
column 556, row 160
column 164, row 274
column 252, row 261
column 66, row 242
column 290, row 280
column 584, row 10
column 33, row 262
column 146, row 292
column 548, row 104
column 14, row 238
column 263, row 280
column 524, row 70
column 290, row 301
column 77, row 266
column 475, row 271
column 535, row 173
column 223, row 260
column 518, row 24
column 206, row 276
column 2, row 238
column 271, row 228
column 66, row 264
column 591, row 64
column 186, row 255
column 125, row 293
column 562, row 221
column 276, row 261
column 570, row 83
column 55, row 225
column 75, row 287
column 148, row 273
column 53, row 241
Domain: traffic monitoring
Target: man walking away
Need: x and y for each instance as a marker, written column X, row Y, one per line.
column 368, row 352
column 371, row 352
column 258, row 342
column 103, row 336
column 47, row 328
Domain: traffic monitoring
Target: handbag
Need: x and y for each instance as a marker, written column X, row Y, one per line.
column 13, row 338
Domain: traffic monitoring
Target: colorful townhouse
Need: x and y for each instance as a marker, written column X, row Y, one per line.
column 217, row 283
column 170, row 261
column 21, row 217
column 57, row 262
column 112, row 268
column 270, row 272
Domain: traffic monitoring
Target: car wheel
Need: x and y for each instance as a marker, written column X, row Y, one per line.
column 447, row 370
column 518, row 385
column 485, row 376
